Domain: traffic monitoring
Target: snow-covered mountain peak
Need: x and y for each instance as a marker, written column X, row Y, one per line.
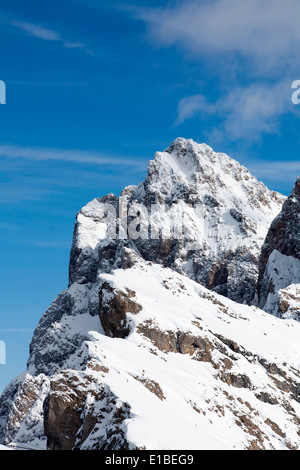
column 141, row 351
column 198, row 212
column 196, row 168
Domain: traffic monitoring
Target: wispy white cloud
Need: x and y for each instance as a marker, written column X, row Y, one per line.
column 16, row 330
column 75, row 156
column 52, row 244
column 276, row 170
column 280, row 174
column 48, row 34
column 191, row 105
column 8, row 226
column 259, row 38
column 263, row 30
column 43, row 174
column 38, row 31
column 74, row 45
column 245, row 112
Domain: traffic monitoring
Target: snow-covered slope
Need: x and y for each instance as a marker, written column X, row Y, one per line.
column 137, row 352
column 184, row 369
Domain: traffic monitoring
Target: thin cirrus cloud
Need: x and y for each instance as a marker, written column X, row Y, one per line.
column 284, row 173
column 280, row 170
column 16, row 330
column 58, row 169
column 75, row 156
column 38, row 31
column 47, row 34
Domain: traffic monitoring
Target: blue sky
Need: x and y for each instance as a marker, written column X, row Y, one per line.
column 94, row 88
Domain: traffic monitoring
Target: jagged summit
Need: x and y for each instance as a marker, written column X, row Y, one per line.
column 198, row 167
column 199, row 212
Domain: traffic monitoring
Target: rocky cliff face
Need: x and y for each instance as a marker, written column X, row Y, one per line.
column 141, row 351
column 279, row 268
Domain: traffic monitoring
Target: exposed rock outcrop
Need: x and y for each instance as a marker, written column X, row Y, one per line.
column 279, row 269
column 113, row 307
column 74, row 410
